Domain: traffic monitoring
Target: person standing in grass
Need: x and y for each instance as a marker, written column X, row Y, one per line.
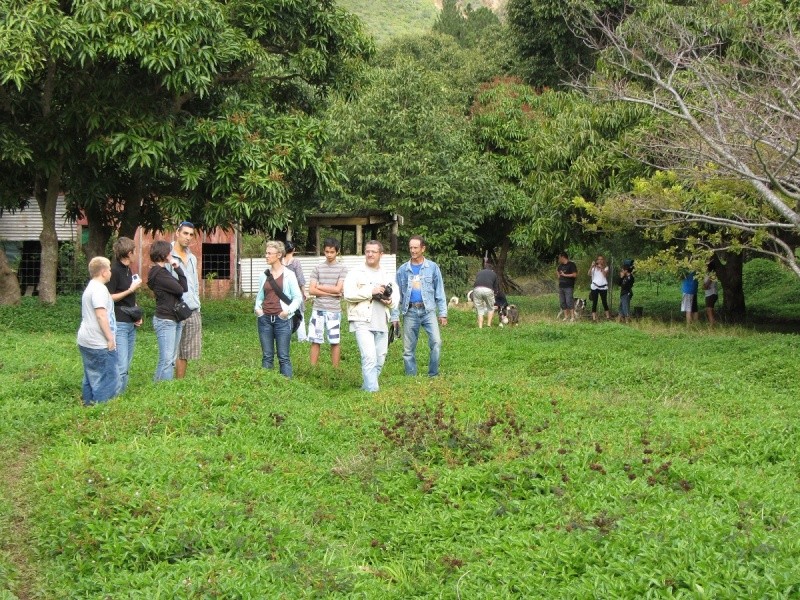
column 327, row 283
column 421, row 299
column 599, row 287
column 689, row 297
column 567, row 273
column 292, row 263
column 370, row 301
column 122, row 286
column 168, row 286
column 191, row 338
column 277, row 300
column 710, row 292
column 483, row 291
column 97, row 339
column 626, row 282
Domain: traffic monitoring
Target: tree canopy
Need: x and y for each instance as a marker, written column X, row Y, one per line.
column 206, row 105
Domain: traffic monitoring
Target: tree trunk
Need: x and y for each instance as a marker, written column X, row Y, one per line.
column 46, row 197
column 507, row 285
column 99, row 232
column 729, row 274
column 9, row 284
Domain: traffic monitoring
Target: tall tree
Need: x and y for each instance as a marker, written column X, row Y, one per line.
column 208, row 100
column 723, row 78
column 551, row 50
column 404, row 144
column 549, row 148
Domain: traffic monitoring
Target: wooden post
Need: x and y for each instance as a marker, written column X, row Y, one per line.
column 359, row 240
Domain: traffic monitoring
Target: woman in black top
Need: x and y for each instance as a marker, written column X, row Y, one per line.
column 122, row 286
column 168, row 290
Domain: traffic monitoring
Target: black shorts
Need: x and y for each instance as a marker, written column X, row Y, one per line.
column 711, row 300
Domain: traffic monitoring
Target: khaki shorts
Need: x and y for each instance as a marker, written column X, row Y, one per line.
column 191, row 338
column 483, row 299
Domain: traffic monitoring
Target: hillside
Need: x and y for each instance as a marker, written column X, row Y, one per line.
column 386, row 19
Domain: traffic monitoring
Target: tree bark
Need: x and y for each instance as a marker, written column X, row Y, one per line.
column 730, row 276
column 9, row 284
column 99, row 232
column 46, row 198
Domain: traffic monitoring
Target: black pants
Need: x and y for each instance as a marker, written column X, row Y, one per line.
column 603, row 294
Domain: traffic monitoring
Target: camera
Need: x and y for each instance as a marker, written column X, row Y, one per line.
column 386, row 295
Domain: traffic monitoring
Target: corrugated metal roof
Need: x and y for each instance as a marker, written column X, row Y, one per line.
column 26, row 224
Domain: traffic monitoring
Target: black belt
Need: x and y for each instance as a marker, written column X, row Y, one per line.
column 416, row 305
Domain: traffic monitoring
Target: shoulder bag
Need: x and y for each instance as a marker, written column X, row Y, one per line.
column 297, row 317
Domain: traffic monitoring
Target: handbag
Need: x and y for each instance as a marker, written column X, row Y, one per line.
column 135, row 313
column 182, row 311
column 297, row 317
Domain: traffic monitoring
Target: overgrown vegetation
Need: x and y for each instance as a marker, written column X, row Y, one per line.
column 549, row 460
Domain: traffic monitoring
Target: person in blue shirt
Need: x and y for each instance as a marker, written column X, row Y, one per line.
column 689, row 299
column 422, row 298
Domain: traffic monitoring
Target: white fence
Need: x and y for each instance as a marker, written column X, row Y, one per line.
column 252, row 268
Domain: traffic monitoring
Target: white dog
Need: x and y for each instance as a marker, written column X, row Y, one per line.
column 453, row 301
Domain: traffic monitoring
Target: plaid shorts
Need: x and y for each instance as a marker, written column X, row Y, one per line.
column 322, row 321
column 191, row 337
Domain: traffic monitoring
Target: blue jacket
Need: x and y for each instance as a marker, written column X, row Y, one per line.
column 432, row 288
column 290, row 288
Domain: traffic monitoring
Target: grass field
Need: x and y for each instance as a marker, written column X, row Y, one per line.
column 551, row 460
column 387, row 19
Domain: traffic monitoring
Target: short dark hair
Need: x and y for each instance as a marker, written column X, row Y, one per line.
column 331, row 242
column 563, row 255
column 160, row 250
column 374, row 243
column 421, row 240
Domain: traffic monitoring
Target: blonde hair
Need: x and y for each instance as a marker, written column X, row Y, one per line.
column 97, row 265
column 277, row 246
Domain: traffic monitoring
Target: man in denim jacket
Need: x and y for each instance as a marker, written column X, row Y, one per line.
column 421, row 299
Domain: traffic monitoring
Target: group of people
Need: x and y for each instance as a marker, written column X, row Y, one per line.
column 689, row 289
column 567, row 274
column 110, row 315
column 375, row 303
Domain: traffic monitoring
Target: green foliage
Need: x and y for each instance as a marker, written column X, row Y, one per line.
column 550, row 148
column 467, row 25
column 405, row 146
column 772, row 290
column 594, row 449
column 552, row 51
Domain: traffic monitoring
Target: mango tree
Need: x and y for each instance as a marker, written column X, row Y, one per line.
column 203, row 104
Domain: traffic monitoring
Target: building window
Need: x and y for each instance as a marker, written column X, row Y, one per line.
column 217, row 261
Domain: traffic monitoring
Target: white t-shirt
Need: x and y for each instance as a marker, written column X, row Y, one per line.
column 711, row 290
column 599, row 280
column 90, row 335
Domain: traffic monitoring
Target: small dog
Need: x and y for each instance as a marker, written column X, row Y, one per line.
column 509, row 315
column 578, row 306
column 453, row 301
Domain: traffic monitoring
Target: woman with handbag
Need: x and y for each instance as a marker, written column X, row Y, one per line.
column 278, row 299
column 168, row 291
column 122, row 286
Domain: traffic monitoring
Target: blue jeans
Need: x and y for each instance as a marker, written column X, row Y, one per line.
column 413, row 320
column 126, row 339
column 275, row 335
column 168, row 334
column 100, row 376
column 372, row 345
column 625, row 305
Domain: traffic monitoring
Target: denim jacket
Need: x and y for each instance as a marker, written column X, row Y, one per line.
column 432, row 288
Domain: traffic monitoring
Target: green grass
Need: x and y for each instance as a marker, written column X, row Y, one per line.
column 388, row 19
column 551, row 460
